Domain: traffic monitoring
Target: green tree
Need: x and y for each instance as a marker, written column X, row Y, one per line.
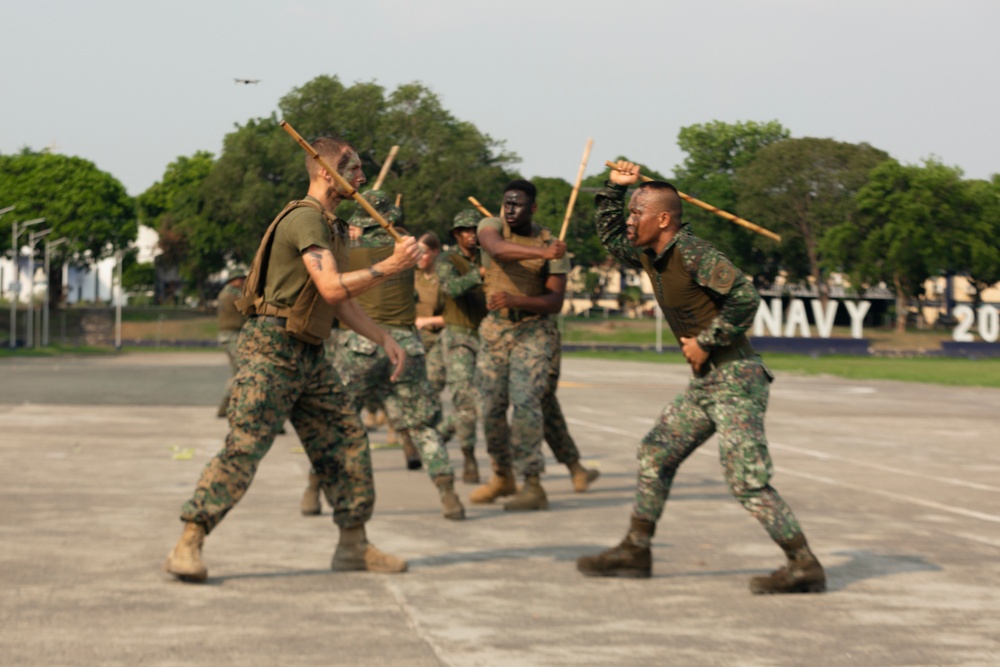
column 801, row 188
column 907, row 219
column 86, row 206
column 978, row 253
column 189, row 239
column 714, row 152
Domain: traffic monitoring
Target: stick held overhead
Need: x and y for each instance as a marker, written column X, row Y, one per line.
column 344, row 185
column 480, row 207
column 712, row 209
column 576, row 189
column 385, row 168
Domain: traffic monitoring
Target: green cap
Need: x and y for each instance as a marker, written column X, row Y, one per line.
column 466, row 219
column 381, row 202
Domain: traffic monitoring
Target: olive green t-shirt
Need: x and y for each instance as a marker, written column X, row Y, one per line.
column 555, row 266
column 286, row 272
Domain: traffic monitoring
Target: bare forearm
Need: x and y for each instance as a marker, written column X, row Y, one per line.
column 351, row 314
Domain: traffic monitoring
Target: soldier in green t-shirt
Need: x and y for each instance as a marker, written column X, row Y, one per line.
column 297, row 286
column 230, row 322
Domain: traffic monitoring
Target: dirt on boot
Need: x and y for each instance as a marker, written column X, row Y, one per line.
column 184, row 561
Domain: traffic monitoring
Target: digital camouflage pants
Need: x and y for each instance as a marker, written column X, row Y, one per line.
column 513, row 369
column 434, row 359
column 410, row 404
column 729, row 401
column 279, row 378
column 227, row 341
column 554, row 424
column 460, row 347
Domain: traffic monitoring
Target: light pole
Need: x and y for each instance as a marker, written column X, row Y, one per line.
column 33, row 237
column 48, row 289
column 15, row 234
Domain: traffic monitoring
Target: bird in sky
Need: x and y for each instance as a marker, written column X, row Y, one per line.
column 247, row 81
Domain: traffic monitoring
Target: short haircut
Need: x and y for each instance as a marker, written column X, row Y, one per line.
column 329, row 148
column 521, row 185
column 667, row 194
column 431, row 240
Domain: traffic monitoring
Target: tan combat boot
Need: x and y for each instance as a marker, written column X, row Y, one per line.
column 413, row 461
column 530, row 497
column 184, row 562
column 632, row 558
column 310, row 505
column 801, row 574
column 502, row 483
column 582, row 477
column 354, row 553
column 451, row 506
column 470, row 472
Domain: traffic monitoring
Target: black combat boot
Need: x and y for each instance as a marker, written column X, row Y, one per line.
column 801, row 574
column 632, row 558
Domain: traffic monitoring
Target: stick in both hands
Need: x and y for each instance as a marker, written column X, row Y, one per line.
column 576, row 189
column 712, row 209
column 385, row 168
column 344, row 185
column 480, row 207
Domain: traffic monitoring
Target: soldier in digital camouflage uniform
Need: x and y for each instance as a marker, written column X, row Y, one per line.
column 297, row 286
column 430, row 309
column 460, row 280
column 410, row 404
column 230, row 322
column 524, row 282
column 709, row 304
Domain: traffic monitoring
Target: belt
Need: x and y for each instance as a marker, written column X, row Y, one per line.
column 271, row 319
column 741, row 349
column 513, row 314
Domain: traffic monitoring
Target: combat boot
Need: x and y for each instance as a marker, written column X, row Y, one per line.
column 632, row 558
column 530, row 497
column 310, row 505
column 451, row 506
column 223, row 406
column 184, row 562
column 582, row 477
column 354, row 553
column 413, row 461
column 801, row 574
column 502, row 483
column 470, row 472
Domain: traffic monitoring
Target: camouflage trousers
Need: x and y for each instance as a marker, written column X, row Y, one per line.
column 729, row 401
column 512, row 369
column 409, row 403
column 227, row 341
column 554, row 424
column 434, row 359
column 460, row 347
column 279, row 378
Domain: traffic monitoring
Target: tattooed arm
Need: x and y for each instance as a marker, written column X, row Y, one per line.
column 336, row 286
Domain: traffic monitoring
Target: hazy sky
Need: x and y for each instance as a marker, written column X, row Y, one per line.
column 133, row 84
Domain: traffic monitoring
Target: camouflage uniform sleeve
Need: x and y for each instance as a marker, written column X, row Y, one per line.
column 452, row 283
column 611, row 224
column 730, row 289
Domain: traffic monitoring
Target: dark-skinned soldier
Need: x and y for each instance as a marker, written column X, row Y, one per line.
column 297, row 286
column 709, row 304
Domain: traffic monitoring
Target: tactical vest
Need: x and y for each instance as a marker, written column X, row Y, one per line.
column 686, row 306
column 392, row 302
column 466, row 310
column 428, row 294
column 230, row 318
column 523, row 277
column 310, row 318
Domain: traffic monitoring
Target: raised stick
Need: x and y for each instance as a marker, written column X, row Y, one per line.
column 344, row 185
column 385, row 167
column 480, row 207
column 718, row 211
column 576, row 189
column 399, row 199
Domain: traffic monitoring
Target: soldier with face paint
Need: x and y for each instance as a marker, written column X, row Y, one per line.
column 297, row 286
column 709, row 304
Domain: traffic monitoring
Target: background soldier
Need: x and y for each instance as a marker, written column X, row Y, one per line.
column 460, row 278
column 410, row 405
column 709, row 304
column 525, row 282
column 230, row 322
column 296, row 287
column 430, row 309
